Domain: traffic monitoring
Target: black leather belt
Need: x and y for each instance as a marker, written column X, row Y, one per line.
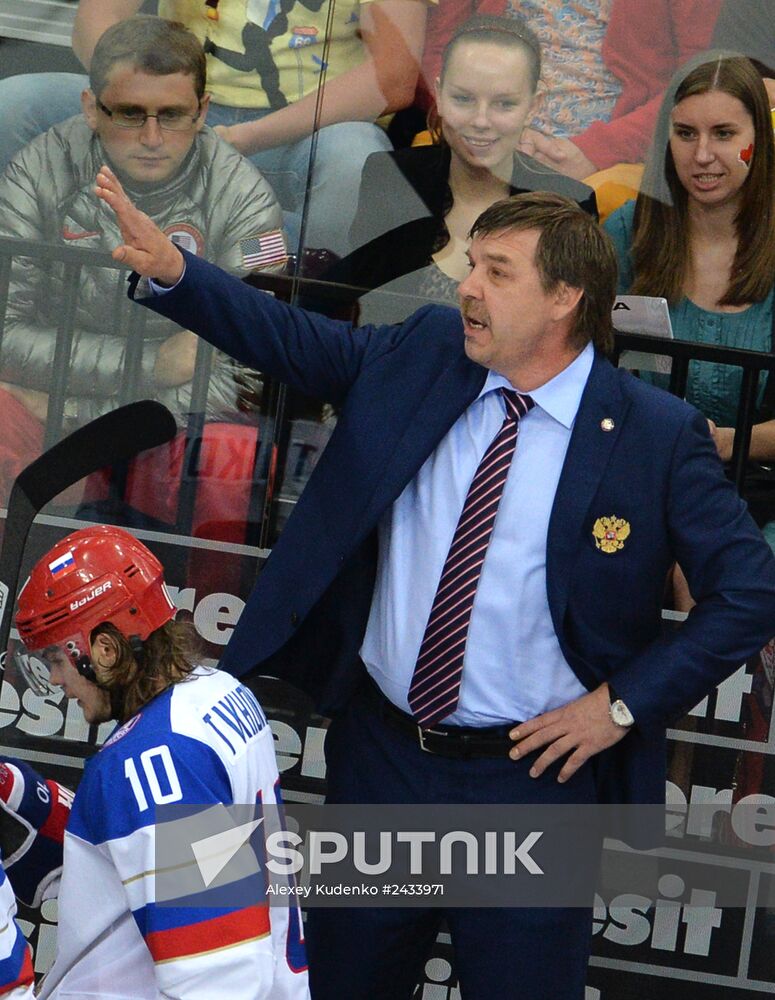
column 458, row 742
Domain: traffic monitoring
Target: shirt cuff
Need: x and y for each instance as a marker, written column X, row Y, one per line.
column 157, row 289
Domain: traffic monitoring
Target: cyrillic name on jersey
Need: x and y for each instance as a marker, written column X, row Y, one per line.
column 236, row 717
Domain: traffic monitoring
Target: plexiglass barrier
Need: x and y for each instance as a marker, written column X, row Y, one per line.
column 337, row 155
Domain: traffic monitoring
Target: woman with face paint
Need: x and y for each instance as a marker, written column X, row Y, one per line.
column 416, row 206
column 701, row 232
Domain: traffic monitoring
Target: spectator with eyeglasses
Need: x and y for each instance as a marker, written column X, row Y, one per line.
column 145, row 113
column 299, row 86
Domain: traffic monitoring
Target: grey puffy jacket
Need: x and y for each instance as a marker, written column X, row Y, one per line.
column 47, row 193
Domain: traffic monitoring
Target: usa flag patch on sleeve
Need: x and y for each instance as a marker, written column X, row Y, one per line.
column 263, row 250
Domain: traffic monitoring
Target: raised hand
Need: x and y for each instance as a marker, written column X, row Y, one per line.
column 145, row 248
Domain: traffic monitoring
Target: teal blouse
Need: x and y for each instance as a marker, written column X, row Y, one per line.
column 714, row 389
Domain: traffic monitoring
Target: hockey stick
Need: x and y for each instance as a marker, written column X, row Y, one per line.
column 113, row 437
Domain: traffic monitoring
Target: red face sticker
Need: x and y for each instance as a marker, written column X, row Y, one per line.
column 746, row 154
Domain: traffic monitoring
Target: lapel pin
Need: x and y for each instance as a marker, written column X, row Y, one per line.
column 610, row 533
column 607, row 424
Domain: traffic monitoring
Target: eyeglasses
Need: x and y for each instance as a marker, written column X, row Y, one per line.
column 170, row 120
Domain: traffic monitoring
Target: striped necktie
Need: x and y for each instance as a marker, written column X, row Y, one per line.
column 435, row 686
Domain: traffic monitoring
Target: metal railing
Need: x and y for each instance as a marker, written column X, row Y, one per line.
column 339, row 299
column 682, row 352
column 344, row 298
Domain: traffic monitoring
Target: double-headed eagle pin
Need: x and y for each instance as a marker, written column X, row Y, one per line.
column 610, row 533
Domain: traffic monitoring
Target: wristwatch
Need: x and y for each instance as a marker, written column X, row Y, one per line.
column 620, row 714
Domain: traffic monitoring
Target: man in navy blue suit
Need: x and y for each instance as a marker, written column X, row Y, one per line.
column 564, row 682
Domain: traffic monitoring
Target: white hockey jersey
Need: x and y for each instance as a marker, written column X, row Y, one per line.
column 16, row 975
column 205, row 740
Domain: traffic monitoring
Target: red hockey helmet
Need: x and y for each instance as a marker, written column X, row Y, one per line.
column 95, row 575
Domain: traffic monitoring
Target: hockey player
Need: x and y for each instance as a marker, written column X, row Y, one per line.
column 96, row 619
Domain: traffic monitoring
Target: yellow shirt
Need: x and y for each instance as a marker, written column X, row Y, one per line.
column 264, row 58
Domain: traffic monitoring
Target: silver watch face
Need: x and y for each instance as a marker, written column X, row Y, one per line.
column 620, row 714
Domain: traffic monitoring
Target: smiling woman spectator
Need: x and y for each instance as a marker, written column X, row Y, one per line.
column 416, row 206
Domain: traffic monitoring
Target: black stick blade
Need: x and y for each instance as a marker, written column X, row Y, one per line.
column 113, row 437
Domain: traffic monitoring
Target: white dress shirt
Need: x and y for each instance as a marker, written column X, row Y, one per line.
column 513, row 667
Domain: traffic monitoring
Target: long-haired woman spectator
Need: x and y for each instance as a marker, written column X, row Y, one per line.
column 702, row 231
column 417, row 205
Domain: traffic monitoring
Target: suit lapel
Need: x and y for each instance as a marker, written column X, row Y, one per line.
column 588, row 454
column 455, row 389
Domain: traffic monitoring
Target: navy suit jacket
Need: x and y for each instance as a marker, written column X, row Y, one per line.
column 399, row 390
